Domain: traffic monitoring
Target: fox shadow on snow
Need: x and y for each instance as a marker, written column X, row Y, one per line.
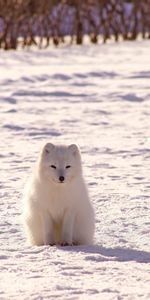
column 100, row 253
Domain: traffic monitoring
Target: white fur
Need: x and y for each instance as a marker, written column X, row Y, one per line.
column 57, row 212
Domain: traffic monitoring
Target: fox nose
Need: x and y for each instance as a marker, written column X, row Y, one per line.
column 61, row 178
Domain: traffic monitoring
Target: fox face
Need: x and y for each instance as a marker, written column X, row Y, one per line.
column 60, row 164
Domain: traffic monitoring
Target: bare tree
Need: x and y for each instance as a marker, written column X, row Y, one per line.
column 36, row 22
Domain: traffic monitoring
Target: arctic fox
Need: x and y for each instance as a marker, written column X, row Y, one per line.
column 56, row 208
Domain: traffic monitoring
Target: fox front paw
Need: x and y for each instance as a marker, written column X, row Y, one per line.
column 64, row 244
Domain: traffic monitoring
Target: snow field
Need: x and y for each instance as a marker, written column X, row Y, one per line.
column 96, row 96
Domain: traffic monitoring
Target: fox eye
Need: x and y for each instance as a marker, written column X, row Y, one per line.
column 53, row 167
column 67, row 167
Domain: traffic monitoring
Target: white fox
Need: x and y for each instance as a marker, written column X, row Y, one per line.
column 56, row 207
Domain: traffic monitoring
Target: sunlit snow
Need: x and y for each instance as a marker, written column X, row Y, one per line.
column 98, row 97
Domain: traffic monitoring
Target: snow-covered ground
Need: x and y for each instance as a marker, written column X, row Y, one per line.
column 99, row 97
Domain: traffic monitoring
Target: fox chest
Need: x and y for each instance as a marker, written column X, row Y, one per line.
column 57, row 207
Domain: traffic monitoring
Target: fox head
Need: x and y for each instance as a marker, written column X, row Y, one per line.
column 60, row 164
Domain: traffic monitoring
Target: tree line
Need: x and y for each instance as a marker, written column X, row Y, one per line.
column 34, row 22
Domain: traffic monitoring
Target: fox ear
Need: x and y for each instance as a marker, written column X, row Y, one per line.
column 74, row 149
column 48, row 147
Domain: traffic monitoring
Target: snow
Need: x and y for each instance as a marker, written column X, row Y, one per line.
column 97, row 96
